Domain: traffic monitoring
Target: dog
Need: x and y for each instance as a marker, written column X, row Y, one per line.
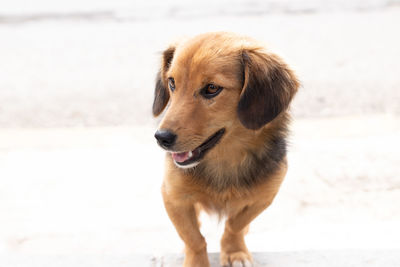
column 224, row 130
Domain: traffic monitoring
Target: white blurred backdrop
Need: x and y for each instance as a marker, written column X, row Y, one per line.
column 80, row 172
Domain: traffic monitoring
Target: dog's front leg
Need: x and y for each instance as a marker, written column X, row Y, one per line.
column 233, row 248
column 184, row 217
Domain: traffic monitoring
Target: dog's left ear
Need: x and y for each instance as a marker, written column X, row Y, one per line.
column 268, row 87
column 161, row 93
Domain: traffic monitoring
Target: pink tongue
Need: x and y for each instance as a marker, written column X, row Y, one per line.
column 180, row 157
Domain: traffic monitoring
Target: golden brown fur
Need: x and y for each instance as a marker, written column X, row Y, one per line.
column 240, row 176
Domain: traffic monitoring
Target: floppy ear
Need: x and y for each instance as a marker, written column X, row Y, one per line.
column 161, row 93
column 268, row 87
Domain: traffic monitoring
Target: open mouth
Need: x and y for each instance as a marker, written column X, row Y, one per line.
column 193, row 156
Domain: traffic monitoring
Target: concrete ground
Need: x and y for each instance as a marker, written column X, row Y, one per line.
column 80, row 172
column 288, row 259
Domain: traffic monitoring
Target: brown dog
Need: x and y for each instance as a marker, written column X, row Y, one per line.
column 225, row 131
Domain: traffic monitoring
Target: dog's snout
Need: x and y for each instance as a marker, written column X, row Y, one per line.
column 165, row 138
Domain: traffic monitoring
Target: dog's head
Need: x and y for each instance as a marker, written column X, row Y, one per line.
column 213, row 83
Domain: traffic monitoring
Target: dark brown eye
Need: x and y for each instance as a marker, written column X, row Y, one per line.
column 211, row 90
column 171, row 83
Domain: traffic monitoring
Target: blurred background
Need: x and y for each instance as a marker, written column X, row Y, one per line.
column 80, row 173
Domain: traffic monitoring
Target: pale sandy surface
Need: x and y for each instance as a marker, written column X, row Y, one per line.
column 96, row 192
column 72, row 195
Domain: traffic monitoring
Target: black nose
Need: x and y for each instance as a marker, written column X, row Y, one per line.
column 165, row 138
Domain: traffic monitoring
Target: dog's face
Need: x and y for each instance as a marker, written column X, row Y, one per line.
column 216, row 83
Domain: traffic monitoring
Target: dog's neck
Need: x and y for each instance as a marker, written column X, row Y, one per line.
column 243, row 159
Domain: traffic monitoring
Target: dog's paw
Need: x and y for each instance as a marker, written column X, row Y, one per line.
column 236, row 259
column 196, row 259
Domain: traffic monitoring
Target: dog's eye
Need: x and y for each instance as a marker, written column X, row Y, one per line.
column 171, row 83
column 211, row 90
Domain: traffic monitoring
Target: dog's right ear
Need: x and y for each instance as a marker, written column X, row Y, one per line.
column 161, row 92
